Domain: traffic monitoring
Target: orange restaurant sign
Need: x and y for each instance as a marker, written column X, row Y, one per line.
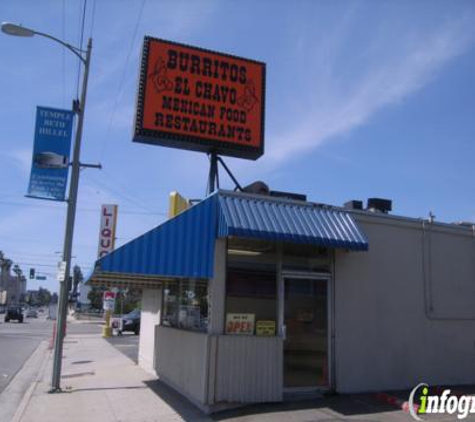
column 197, row 99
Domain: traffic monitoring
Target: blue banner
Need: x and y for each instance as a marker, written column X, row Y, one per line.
column 50, row 164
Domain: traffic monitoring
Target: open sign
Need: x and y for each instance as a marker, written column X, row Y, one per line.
column 240, row 324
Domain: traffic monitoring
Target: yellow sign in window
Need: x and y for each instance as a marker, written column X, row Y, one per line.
column 265, row 328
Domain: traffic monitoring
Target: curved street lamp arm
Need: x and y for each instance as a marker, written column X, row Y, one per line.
column 77, row 51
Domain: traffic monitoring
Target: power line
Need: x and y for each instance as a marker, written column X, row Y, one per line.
column 135, row 200
column 24, row 239
column 129, row 198
column 45, row 207
column 41, row 255
column 36, row 264
column 122, row 80
column 28, row 256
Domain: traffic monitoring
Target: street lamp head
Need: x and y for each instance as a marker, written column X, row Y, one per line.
column 16, row 30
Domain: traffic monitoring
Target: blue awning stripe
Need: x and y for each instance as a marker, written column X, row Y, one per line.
column 273, row 219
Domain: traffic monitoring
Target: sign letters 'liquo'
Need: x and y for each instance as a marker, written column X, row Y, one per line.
column 200, row 100
column 107, row 229
column 49, row 168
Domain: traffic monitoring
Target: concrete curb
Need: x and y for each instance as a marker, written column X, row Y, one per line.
column 24, row 402
column 29, row 393
column 13, row 403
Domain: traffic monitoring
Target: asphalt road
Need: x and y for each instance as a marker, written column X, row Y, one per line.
column 128, row 344
column 19, row 341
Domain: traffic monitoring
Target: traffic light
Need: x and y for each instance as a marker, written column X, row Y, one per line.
column 32, row 273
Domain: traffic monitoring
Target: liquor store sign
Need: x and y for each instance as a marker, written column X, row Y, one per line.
column 197, row 99
column 107, row 229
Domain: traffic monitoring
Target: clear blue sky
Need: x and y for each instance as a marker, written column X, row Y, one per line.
column 364, row 99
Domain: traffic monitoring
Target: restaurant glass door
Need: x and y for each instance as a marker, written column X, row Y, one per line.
column 306, row 332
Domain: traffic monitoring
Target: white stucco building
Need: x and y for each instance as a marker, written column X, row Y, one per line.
column 247, row 298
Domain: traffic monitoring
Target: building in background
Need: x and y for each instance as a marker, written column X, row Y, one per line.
column 33, row 297
column 12, row 286
column 83, row 301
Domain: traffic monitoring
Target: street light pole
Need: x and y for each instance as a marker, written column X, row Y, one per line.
column 69, row 232
column 18, row 30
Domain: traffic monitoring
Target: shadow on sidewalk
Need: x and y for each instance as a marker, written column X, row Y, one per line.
column 180, row 404
column 77, row 390
column 345, row 405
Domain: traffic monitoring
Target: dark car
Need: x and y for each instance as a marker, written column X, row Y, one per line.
column 14, row 313
column 130, row 322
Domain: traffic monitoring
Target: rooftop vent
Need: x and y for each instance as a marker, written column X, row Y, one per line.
column 259, row 188
column 353, row 205
column 379, row 205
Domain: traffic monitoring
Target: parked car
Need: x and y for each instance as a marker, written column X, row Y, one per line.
column 14, row 313
column 130, row 322
column 31, row 313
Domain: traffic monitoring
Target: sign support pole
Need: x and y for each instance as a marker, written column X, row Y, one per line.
column 213, row 180
column 238, row 186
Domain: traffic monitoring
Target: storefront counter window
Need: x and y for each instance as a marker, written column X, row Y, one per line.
column 252, row 275
column 302, row 257
column 185, row 304
column 251, row 302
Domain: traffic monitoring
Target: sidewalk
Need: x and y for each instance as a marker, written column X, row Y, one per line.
column 101, row 384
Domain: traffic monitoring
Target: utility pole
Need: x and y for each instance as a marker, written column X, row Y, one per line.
column 79, row 108
column 69, row 232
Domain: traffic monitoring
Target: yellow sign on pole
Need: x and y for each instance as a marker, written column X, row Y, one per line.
column 177, row 204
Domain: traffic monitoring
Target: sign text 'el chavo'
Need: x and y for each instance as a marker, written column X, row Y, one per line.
column 200, row 100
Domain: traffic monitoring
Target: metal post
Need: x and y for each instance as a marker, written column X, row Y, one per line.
column 68, row 237
column 213, row 172
column 280, row 293
column 238, row 186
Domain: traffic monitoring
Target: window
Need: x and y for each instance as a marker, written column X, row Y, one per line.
column 252, row 294
column 185, row 304
column 298, row 257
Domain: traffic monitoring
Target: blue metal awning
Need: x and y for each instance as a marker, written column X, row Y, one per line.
column 184, row 245
column 288, row 221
